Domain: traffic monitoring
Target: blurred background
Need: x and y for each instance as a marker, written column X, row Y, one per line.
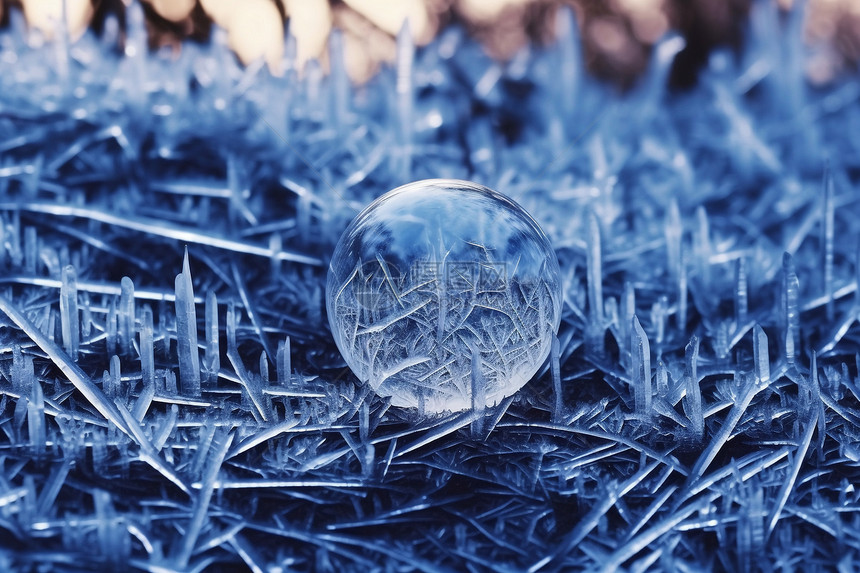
column 616, row 34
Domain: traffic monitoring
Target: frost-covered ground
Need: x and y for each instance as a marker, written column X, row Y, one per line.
column 701, row 411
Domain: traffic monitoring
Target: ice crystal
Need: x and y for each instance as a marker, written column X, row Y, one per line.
column 444, row 294
column 699, row 407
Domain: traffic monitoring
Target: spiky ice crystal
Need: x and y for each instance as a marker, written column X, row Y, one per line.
column 437, row 276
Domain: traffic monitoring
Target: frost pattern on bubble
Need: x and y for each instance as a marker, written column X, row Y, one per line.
column 430, row 273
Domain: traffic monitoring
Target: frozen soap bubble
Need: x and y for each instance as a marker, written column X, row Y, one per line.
column 436, row 276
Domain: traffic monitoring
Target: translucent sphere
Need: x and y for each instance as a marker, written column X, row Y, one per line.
column 436, row 279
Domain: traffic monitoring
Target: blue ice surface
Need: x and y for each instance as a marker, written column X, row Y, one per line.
column 700, row 408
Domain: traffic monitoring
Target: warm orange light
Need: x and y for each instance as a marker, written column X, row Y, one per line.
column 254, row 29
column 618, row 34
column 310, row 23
column 45, row 15
column 609, row 35
column 485, row 11
column 389, row 15
column 218, row 10
column 173, row 10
